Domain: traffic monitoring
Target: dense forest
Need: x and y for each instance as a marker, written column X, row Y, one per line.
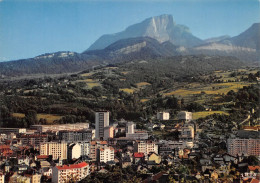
column 71, row 98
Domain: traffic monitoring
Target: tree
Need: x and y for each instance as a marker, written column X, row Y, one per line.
column 31, row 117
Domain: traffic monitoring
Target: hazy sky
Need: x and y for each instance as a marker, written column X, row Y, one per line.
column 32, row 27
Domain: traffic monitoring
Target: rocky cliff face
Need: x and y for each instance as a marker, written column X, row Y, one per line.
column 162, row 28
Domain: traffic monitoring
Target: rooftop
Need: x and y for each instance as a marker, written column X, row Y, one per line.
column 65, row 167
column 138, row 155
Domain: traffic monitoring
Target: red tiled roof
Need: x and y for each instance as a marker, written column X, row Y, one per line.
column 93, row 142
column 65, row 167
column 4, row 146
column 253, row 168
column 138, row 155
column 42, row 156
column 7, row 152
column 103, row 142
column 254, row 181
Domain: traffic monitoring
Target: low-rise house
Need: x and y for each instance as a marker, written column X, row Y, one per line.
column 46, row 171
column 45, row 164
column 229, row 158
column 154, row 157
column 21, row 168
column 138, row 157
column 219, row 159
column 43, row 158
column 18, row 178
column 35, row 178
column 126, row 161
column 23, row 160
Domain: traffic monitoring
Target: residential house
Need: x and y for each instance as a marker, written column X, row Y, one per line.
column 154, row 157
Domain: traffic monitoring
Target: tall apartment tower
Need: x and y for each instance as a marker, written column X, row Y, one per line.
column 101, row 121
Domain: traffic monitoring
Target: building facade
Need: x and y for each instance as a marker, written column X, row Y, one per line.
column 56, row 149
column 108, row 132
column 184, row 116
column 77, row 135
column 94, row 146
column 187, row 133
column 74, row 151
column 163, row 116
column 243, row 146
column 56, row 128
column 145, row 146
column 101, row 121
column 70, row 173
column 105, row 154
column 34, row 139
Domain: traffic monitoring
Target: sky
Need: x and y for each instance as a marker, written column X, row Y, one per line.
column 29, row 28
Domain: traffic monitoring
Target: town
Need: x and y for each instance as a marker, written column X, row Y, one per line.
column 129, row 91
column 77, row 152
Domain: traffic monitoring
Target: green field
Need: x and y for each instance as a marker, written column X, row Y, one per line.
column 203, row 114
column 49, row 117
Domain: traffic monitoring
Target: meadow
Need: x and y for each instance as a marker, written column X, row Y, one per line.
column 50, row 118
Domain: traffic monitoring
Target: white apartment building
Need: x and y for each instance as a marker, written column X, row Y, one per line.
column 101, row 121
column 163, row 115
column 71, row 173
column 106, row 154
column 145, row 146
column 56, row 149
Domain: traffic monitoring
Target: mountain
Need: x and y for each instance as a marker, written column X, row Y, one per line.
column 245, row 46
column 161, row 28
column 216, row 39
column 248, row 39
column 49, row 63
column 139, row 47
column 68, row 62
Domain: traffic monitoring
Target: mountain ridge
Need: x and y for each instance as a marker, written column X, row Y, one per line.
column 162, row 28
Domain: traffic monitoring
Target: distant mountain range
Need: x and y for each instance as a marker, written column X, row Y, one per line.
column 156, row 37
column 161, row 28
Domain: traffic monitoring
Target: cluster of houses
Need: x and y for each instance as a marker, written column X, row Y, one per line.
column 70, row 152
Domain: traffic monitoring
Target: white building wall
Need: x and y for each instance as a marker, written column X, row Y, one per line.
column 106, row 154
column 76, row 151
column 163, row 116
